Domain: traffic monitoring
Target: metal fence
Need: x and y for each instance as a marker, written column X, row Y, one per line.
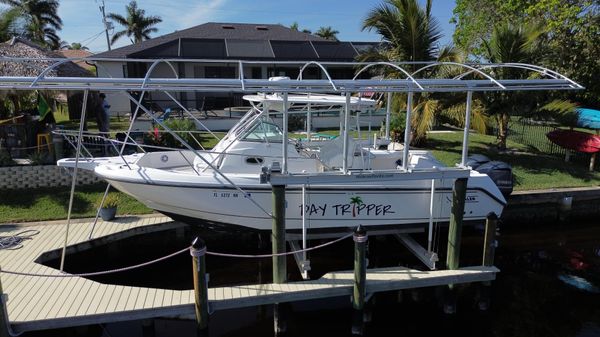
column 532, row 133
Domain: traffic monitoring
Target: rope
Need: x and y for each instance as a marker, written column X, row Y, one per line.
column 15, row 241
column 111, row 271
column 282, row 254
column 117, row 270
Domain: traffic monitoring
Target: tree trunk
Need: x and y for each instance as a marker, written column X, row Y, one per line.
column 503, row 132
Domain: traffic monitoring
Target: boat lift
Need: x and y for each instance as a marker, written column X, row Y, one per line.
column 470, row 78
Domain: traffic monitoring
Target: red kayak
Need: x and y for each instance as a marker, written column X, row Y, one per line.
column 575, row 140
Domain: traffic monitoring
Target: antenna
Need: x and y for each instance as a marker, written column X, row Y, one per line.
column 107, row 24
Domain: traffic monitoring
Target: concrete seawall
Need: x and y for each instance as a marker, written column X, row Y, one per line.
column 551, row 205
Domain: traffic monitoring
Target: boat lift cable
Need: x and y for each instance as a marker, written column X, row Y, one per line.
column 120, row 152
column 74, row 179
column 181, row 251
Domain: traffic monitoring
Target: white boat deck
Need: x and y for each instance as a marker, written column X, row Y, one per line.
column 36, row 303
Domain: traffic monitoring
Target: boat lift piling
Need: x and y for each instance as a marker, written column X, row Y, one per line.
column 198, row 252
column 360, row 278
column 279, row 261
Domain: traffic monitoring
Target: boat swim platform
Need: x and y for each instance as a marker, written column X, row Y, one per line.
column 40, row 303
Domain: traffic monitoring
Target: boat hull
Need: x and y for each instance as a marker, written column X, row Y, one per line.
column 324, row 206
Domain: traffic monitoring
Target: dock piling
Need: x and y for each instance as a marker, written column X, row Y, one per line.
column 459, row 194
column 489, row 243
column 198, row 252
column 489, row 250
column 4, row 325
column 278, row 242
column 360, row 276
column 278, row 234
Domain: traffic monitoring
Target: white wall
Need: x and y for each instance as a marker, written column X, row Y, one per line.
column 119, row 104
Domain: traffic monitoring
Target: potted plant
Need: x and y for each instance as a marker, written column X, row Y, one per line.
column 109, row 208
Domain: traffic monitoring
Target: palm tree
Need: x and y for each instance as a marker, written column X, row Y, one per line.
column 327, row 33
column 41, row 20
column 510, row 43
column 411, row 33
column 9, row 24
column 409, row 29
column 136, row 23
column 74, row 46
column 294, row 26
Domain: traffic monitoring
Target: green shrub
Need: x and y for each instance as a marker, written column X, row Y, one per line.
column 163, row 138
column 39, row 158
column 397, row 127
column 6, row 159
column 112, row 200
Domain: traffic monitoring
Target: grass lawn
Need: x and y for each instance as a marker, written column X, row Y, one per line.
column 53, row 203
column 531, row 170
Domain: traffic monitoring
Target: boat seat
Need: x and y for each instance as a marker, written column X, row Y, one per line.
column 330, row 154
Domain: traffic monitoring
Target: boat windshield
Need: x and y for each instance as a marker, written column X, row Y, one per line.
column 263, row 131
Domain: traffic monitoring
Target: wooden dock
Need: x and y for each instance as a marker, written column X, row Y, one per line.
column 38, row 303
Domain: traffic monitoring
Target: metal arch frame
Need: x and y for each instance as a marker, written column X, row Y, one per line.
column 473, row 69
column 47, row 70
column 322, row 68
column 540, row 70
column 395, row 66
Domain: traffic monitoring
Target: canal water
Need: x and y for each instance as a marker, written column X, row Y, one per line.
column 549, row 285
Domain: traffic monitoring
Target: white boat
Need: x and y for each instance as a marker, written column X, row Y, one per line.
column 330, row 184
column 224, row 184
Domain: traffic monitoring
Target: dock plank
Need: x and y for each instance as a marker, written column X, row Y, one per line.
column 119, row 297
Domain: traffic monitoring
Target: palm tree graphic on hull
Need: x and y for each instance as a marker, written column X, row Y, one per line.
column 355, row 201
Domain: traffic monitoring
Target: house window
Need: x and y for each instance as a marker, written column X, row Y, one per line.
column 219, row 72
column 256, row 72
column 284, row 71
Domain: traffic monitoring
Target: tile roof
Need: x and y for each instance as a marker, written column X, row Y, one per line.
column 77, row 53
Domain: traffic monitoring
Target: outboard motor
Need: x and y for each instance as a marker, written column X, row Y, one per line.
column 500, row 173
column 474, row 161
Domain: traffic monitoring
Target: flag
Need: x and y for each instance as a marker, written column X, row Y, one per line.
column 43, row 107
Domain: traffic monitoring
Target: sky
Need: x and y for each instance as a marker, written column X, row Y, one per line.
column 83, row 22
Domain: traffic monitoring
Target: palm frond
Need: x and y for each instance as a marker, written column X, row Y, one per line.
column 423, row 117
column 563, row 111
column 116, row 36
column 457, row 113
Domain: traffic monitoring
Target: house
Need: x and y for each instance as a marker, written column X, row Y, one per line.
column 226, row 41
column 78, row 54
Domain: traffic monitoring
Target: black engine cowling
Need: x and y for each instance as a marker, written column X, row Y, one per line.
column 499, row 171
